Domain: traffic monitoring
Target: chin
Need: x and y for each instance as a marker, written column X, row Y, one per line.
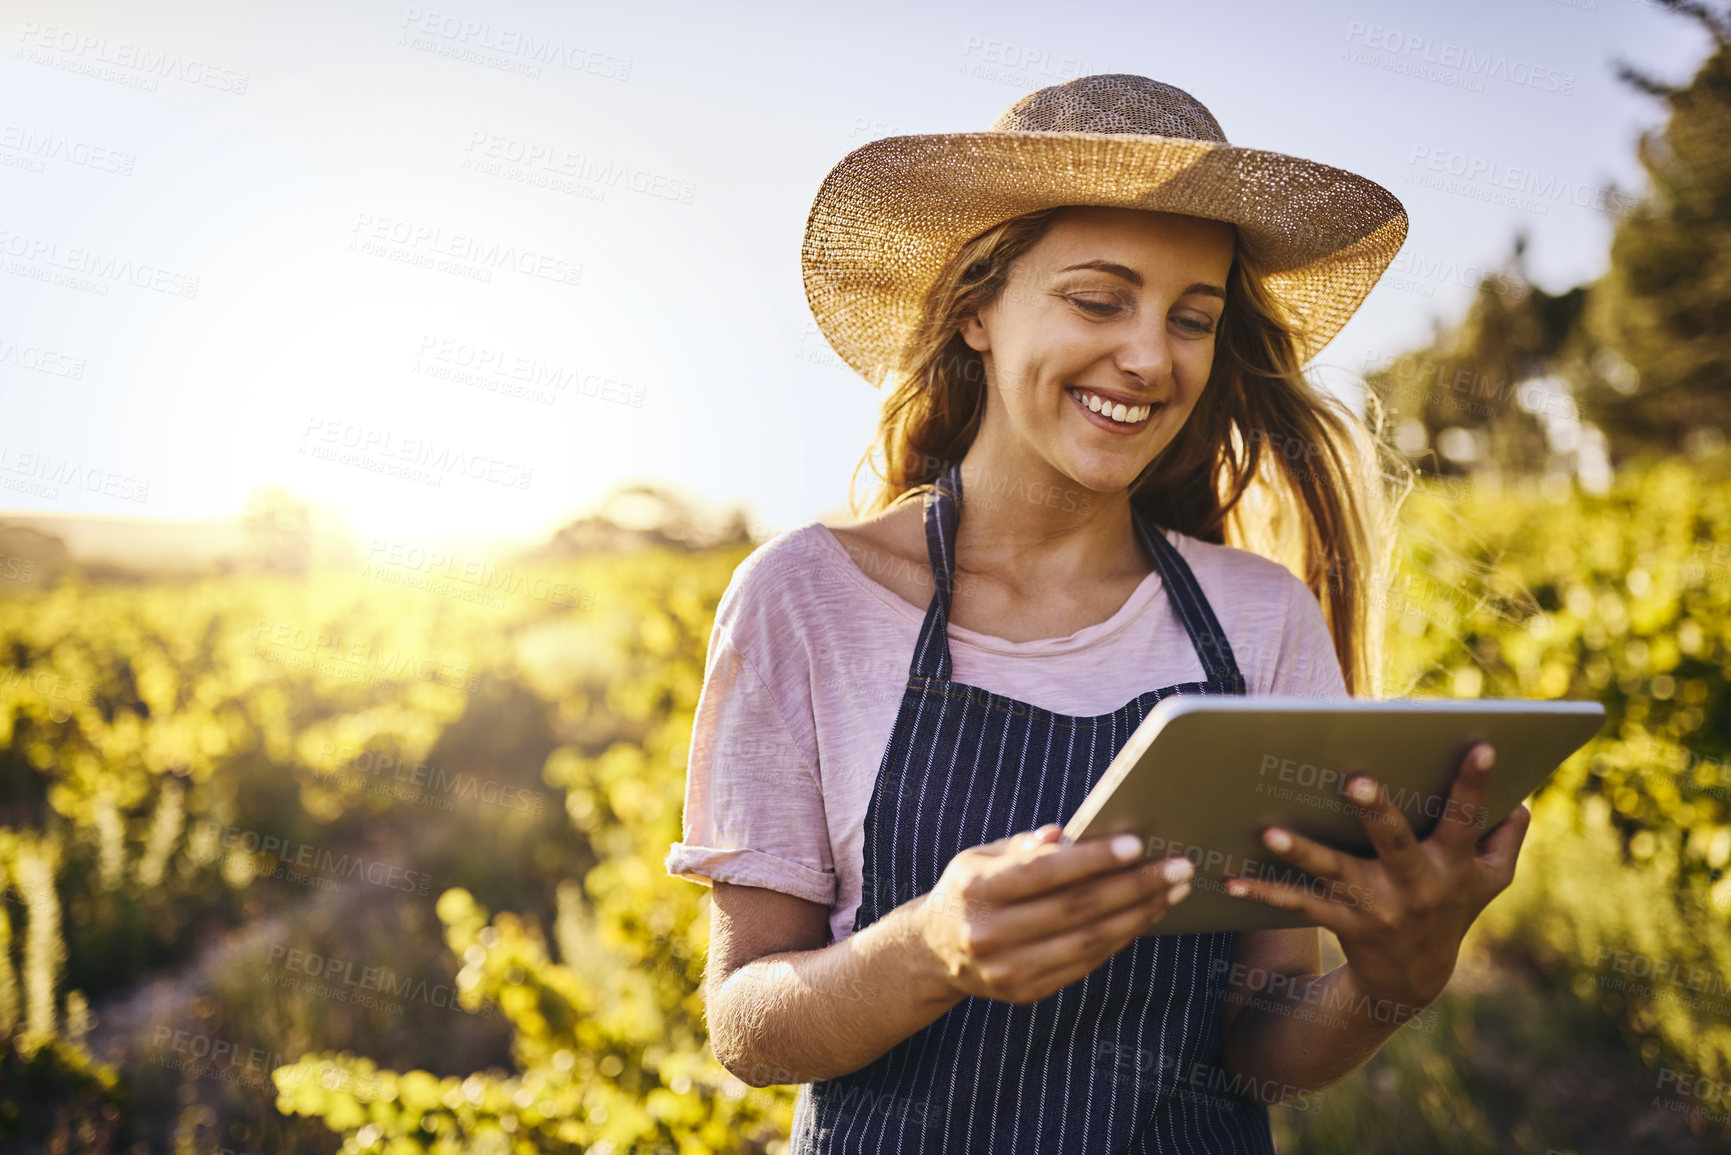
column 1107, row 478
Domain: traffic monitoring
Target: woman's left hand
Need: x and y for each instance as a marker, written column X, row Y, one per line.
column 1400, row 916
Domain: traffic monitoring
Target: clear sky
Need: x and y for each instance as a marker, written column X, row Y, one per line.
column 236, row 239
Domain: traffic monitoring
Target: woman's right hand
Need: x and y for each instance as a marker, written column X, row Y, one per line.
column 1018, row 918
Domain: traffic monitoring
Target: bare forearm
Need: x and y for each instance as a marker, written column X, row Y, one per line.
column 800, row 1016
column 1303, row 1032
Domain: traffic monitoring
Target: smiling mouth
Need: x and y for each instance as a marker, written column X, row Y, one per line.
column 1117, row 414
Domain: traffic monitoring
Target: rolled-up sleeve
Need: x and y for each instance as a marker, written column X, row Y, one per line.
column 754, row 812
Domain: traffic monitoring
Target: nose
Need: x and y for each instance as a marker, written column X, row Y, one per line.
column 1146, row 352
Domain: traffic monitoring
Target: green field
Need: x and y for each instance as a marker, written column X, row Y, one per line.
column 346, row 863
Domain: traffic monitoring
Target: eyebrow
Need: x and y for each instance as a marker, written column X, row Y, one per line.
column 1135, row 278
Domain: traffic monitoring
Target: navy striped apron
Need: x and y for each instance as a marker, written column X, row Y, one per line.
column 1123, row 1060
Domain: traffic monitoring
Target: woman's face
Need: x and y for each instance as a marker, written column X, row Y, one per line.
column 1101, row 342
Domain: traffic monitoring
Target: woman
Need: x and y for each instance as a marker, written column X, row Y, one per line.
column 1097, row 314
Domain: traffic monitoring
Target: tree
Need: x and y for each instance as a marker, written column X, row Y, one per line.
column 1480, row 393
column 1657, row 374
column 279, row 531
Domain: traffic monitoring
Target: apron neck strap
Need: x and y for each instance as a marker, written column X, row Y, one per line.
column 943, row 511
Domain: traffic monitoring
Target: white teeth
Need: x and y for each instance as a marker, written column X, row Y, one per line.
column 1116, row 411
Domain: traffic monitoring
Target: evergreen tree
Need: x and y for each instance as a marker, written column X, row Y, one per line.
column 1657, row 371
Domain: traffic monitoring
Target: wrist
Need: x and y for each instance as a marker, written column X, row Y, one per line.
column 928, row 976
column 1378, row 1003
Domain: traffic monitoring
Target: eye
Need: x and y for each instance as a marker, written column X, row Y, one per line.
column 1096, row 308
column 1193, row 326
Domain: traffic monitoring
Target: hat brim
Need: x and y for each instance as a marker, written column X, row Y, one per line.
column 889, row 216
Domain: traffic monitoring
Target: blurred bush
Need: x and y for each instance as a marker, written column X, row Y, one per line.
column 1624, row 598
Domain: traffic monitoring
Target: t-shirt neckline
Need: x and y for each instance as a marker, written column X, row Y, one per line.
column 1091, row 635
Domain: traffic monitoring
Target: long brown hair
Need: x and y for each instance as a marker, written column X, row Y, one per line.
column 1266, row 461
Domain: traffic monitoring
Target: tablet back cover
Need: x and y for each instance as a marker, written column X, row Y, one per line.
column 1202, row 777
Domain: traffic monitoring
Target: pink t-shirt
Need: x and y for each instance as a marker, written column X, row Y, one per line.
column 809, row 658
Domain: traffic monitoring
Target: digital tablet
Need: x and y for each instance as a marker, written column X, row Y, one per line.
column 1203, row 775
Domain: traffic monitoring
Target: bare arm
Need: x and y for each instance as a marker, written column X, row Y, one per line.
column 1288, row 1028
column 1015, row 920
column 785, row 1008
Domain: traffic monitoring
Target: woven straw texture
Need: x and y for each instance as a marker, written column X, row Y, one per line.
column 889, row 216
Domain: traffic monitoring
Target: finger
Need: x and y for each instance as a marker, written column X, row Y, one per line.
column 1313, row 857
column 1339, row 908
column 1458, row 831
column 1050, row 865
column 1052, row 963
column 1502, row 847
column 1055, row 913
column 1029, row 839
column 1389, row 831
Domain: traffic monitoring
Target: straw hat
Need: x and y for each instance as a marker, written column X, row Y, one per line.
column 895, row 210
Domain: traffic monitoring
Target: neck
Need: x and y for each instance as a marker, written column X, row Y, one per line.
column 1028, row 525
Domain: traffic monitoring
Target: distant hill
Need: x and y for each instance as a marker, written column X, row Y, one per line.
column 30, row 558
column 635, row 517
column 49, row 544
column 278, row 533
